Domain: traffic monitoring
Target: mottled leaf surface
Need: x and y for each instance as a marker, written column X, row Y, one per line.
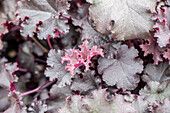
column 156, row 91
column 162, row 26
column 122, row 70
column 57, row 69
column 97, row 103
column 88, row 82
column 46, row 11
column 58, row 97
column 163, row 107
column 16, row 107
column 7, row 75
column 126, row 19
column 156, row 73
column 138, row 103
column 37, row 107
column 153, row 48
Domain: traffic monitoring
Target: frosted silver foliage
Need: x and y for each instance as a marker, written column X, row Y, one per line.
column 7, row 75
column 156, row 73
column 138, row 103
column 156, row 91
column 16, row 107
column 97, row 103
column 46, row 11
column 162, row 26
column 121, row 71
column 7, row 9
column 163, row 107
column 59, row 96
column 88, row 82
column 108, row 44
column 126, row 19
column 57, row 69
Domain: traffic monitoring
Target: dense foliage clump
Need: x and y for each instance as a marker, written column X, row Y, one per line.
column 85, row 56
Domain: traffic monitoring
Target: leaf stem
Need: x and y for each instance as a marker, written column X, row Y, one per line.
column 65, row 17
column 39, row 60
column 32, row 91
column 23, row 70
column 49, row 43
column 44, row 85
column 39, row 44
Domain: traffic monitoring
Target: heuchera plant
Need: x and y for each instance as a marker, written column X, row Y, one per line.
column 85, row 56
column 78, row 58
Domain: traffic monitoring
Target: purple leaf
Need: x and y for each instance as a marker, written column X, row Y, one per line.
column 80, row 15
column 95, row 38
column 4, row 99
column 26, row 58
column 162, row 26
column 16, row 107
column 57, row 69
column 125, row 19
column 122, row 70
column 2, row 20
column 163, row 107
column 88, row 82
column 167, row 55
column 7, row 75
column 8, row 9
column 58, row 97
column 157, row 73
column 37, row 107
column 153, row 48
column 89, row 34
column 98, row 103
column 43, row 17
column 138, row 103
column 156, row 91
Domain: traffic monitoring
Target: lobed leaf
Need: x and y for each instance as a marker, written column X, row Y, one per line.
column 58, row 97
column 163, row 107
column 127, row 19
column 37, row 107
column 88, row 82
column 7, row 75
column 162, row 26
column 122, row 70
column 167, row 55
column 153, row 48
column 156, row 91
column 57, row 69
column 157, row 73
column 16, row 107
column 43, row 17
column 97, row 103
